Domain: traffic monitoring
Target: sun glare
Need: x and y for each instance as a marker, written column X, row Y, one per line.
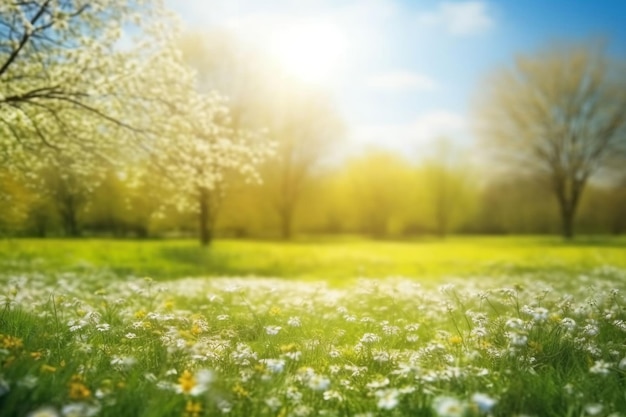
column 311, row 51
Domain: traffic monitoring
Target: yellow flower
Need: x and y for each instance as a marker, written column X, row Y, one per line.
column 455, row 340
column 10, row 342
column 196, row 330
column 240, row 391
column 140, row 314
column 275, row 311
column 48, row 368
column 77, row 389
column 194, row 385
column 291, row 347
column 193, row 409
column 186, row 382
column 555, row 318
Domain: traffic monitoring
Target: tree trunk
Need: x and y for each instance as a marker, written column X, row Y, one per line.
column 286, row 223
column 70, row 218
column 206, row 232
column 567, row 218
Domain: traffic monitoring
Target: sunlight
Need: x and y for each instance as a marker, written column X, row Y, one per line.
column 311, row 51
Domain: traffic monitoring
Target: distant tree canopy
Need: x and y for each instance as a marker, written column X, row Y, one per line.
column 560, row 114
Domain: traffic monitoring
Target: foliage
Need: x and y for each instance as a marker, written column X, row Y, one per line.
column 74, row 93
column 560, row 115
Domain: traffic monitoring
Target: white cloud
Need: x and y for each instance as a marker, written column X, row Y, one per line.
column 459, row 18
column 398, row 81
column 415, row 136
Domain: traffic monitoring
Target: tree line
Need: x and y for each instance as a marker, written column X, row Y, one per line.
column 380, row 194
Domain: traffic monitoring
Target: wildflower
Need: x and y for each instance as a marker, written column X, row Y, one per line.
column 302, row 411
column 272, row 330
column 77, row 389
column 48, row 368
column 224, row 406
column 381, row 356
column 448, row 407
column 600, row 367
column 591, row 330
column 273, row 403
column 518, row 339
column 28, row 381
column 103, row 327
column 455, row 340
column 593, row 409
column 293, row 394
column 240, row 391
column 275, row 366
column 318, row 382
column 378, row 383
column 43, row 412
column 193, row 409
column 568, row 323
column 194, row 385
column 484, row 402
column 123, row 362
column 130, row 335
column 369, row 338
column 80, row 410
column 333, row 395
column 387, row 399
column 10, row 342
column 540, row 315
column 294, row 321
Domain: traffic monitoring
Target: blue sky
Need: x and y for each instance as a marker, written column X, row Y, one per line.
column 407, row 70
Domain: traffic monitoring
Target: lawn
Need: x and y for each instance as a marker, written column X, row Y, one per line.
column 332, row 259
column 462, row 327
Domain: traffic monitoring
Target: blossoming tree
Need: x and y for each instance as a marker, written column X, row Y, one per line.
column 75, row 84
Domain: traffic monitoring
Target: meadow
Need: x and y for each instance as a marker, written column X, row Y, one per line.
column 507, row 326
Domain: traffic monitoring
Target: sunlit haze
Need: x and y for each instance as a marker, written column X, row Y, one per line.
column 310, row 50
column 402, row 72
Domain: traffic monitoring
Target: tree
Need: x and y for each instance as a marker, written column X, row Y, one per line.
column 69, row 192
column 562, row 114
column 305, row 127
column 66, row 85
column 197, row 160
column 382, row 184
column 302, row 123
column 72, row 89
column 446, row 182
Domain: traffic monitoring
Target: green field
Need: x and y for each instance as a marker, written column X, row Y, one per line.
column 331, row 259
column 346, row 327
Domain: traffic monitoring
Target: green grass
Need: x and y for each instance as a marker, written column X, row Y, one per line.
column 336, row 259
column 478, row 327
column 276, row 347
